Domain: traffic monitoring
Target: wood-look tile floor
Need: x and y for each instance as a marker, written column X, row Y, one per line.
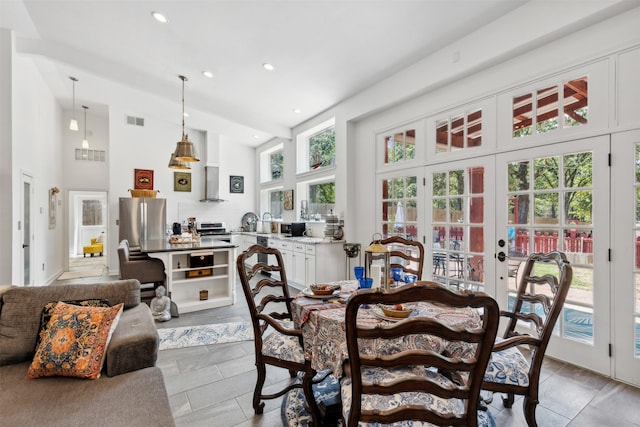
column 213, row 385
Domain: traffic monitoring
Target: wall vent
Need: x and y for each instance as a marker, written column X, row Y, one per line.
column 135, row 121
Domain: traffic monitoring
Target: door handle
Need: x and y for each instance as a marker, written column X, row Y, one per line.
column 25, row 246
column 501, row 256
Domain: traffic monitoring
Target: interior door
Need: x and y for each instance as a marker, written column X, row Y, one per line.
column 556, row 197
column 462, row 221
column 27, row 233
column 625, row 206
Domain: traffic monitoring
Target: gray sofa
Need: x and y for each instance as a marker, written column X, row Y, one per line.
column 130, row 391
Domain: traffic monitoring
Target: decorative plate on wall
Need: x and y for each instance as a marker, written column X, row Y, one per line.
column 236, row 184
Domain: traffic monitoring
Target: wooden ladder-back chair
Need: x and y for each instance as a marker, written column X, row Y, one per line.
column 538, row 302
column 277, row 343
column 431, row 385
column 411, row 253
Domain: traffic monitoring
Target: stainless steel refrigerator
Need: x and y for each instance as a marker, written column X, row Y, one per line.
column 142, row 219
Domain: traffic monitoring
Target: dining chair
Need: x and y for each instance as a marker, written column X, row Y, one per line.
column 538, row 301
column 277, row 342
column 426, row 384
column 410, row 253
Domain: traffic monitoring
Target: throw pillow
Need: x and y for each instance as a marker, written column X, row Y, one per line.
column 47, row 311
column 75, row 341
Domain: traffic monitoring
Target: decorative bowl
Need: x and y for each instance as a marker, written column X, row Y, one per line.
column 324, row 289
column 396, row 311
column 144, row 193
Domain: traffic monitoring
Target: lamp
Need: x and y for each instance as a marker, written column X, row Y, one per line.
column 73, row 124
column 377, row 259
column 176, row 164
column 185, row 150
column 85, row 141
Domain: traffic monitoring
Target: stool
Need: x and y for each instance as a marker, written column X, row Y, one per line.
column 94, row 248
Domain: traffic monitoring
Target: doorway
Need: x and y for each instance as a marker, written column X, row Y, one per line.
column 26, row 229
column 87, row 230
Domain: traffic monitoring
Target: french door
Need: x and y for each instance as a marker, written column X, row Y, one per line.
column 556, row 197
column 625, row 203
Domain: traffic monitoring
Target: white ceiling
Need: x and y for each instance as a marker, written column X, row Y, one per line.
column 324, row 51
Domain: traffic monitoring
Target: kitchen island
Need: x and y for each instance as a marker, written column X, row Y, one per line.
column 200, row 275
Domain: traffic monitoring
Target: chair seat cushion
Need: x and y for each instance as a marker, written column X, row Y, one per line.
column 379, row 402
column 285, row 347
column 508, row 367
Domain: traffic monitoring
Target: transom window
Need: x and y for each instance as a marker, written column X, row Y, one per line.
column 400, row 146
column 463, row 130
column 316, row 148
column 540, row 110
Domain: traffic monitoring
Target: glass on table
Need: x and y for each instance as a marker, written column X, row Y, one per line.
column 358, row 272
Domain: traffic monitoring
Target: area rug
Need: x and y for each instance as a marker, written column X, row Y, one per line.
column 217, row 333
column 88, row 272
column 327, row 393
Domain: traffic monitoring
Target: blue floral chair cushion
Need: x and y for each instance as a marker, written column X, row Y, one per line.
column 508, row 367
column 380, row 402
column 284, row 347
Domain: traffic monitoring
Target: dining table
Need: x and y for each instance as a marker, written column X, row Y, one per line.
column 322, row 320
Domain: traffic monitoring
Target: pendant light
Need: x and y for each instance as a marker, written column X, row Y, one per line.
column 185, row 150
column 73, row 124
column 85, row 141
column 176, row 164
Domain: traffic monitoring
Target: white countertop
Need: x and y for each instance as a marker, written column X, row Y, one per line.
column 301, row 239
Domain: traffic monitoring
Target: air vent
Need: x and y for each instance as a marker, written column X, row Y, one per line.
column 135, row 121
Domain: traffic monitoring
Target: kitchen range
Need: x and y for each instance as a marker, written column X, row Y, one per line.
column 214, row 230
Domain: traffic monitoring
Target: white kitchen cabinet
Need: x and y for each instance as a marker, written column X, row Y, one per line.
column 299, row 264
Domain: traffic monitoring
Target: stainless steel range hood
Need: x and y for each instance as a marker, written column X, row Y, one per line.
column 212, row 184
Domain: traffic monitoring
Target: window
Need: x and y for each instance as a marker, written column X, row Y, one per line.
column 400, row 146
column 276, row 163
column 90, row 155
column 316, row 148
column 460, row 131
column 321, row 198
column 399, row 207
column 539, row 110
column 322, row 149
column 275, row 203
column 91, row 212
column 272, row 164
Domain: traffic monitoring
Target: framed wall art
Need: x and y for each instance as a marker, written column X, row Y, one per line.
column 236, row 184
column 143, row 179
column 287, row 201
column 181, row 181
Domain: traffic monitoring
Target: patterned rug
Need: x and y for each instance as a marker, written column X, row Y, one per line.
column 217, row 333
column 327, row 393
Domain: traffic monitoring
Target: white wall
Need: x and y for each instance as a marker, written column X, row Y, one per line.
column 37, row 147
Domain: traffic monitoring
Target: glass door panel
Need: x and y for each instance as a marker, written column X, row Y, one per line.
column 625, row 204
column 460, row 204
column 550, row 203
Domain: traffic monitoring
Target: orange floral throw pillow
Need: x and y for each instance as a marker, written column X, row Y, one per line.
column 74, row 342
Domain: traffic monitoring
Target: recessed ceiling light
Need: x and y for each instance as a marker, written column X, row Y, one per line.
column 159, row 17
column 208, row 74
column 268, row 67
column 256, row 136
column 297, row 110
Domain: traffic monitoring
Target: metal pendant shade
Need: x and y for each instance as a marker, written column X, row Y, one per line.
column 176, row 164
column 185, row 150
